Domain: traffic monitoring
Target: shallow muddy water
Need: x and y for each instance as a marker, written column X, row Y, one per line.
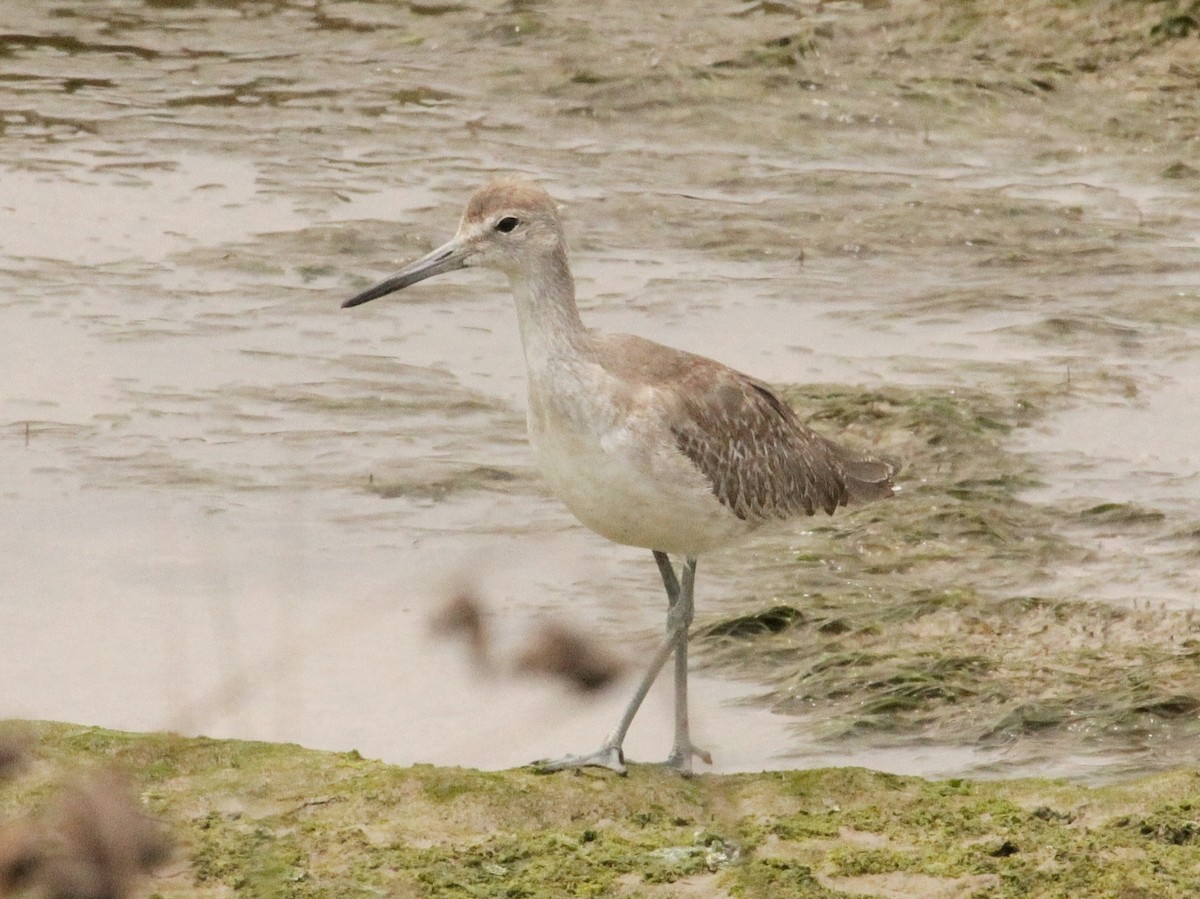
column 195, row 437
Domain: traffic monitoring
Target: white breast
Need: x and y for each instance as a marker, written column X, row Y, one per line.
column 618, row 470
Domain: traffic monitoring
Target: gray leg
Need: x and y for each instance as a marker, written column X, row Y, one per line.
column 667, row 570
column 610, row 753
column 684, row 607
column 679, row 618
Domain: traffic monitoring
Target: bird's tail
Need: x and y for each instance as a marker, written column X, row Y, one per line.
column 869, row 479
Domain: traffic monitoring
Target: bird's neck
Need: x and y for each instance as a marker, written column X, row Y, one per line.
column 549, row 320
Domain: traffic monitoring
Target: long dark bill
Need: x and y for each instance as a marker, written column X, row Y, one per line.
column 446, row 258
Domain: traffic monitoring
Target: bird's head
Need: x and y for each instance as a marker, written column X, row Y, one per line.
column 506, row 224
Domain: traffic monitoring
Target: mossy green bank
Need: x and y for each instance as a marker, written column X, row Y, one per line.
column 271, row 820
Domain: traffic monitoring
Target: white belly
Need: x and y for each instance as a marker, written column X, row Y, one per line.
column 627, row 482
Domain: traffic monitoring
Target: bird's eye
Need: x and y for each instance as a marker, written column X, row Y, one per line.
column 507, row 223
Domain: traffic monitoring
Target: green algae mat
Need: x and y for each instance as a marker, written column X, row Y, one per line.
column 261, row 819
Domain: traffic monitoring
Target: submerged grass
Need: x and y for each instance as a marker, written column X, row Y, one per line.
column 921, row 619
column 273, row 820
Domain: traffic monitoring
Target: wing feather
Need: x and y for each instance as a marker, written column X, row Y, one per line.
column 762, row 461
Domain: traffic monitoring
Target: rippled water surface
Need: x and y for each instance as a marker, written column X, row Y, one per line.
column 193, row 436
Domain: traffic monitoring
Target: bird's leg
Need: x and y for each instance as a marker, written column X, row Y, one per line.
column 610, row 754
column 683, row 608
column 670, row 581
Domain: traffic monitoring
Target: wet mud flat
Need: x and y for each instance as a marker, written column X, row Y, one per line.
column 1028, row 595
column 978, row 221
column 941, row 618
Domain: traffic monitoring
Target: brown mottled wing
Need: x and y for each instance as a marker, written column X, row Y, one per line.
column 763, row 463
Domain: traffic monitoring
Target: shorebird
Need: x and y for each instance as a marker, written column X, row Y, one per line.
column 647, row 445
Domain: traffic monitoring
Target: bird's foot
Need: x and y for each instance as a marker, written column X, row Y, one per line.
column 611, row 757
column 681, row 758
